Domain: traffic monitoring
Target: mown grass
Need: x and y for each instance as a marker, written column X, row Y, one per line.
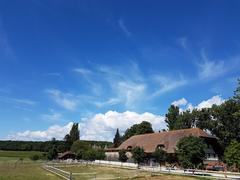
column 26, row 170
column 11, row 155
column 111, row 172
column 12, row 168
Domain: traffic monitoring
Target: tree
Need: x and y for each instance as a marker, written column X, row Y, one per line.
column 171, row 117
column 93, row 154
column 142, row 128
column 122, row 156
column 236, row 96
column 85, row 151
column 190, row 152
column 232, row 155
column 72, row 136
column 226, row 122
column 80, row 147
column 117, row 139
column 184, row 120
column 203, row 118
column 74, row 132
column 160, row 155
column 138, row 155
column 52, row 153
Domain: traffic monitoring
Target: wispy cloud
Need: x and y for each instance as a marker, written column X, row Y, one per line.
column 5, row 46
column 65, row 100
column 52, row 116
column 54, row 74
column 209, row 69
column 17, row 101
column 167, row 84
column 123, row 27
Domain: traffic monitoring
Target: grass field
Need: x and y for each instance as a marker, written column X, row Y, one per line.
column 11, row 168
column 18, row 154
column 110, row 172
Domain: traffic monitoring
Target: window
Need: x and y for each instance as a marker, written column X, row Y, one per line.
column 129, row 147
column 160, row 146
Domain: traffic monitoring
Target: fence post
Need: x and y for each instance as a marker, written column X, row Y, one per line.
column 70, row 176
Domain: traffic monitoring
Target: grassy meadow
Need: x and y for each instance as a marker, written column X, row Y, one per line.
column 16, row 165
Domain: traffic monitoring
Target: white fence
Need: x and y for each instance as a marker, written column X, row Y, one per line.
column 115, row 163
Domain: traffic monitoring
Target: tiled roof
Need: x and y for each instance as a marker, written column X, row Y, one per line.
column 169, row 139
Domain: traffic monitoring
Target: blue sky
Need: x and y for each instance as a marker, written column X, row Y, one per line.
column 109, row 64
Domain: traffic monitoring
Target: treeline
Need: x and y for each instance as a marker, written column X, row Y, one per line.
column 222, row 121
column 45, row 146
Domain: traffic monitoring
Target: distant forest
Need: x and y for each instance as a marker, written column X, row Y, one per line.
column 44, row 146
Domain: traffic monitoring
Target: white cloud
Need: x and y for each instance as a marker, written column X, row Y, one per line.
column 123, row 27
column 217, row 100
column 208, row 103
column 65, row 100
column 54, row 131
column 98, row 127
column 180, row 102
column 103, row 126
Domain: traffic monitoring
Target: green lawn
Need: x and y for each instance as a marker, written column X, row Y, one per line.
column 111, row 172
column 18, row 154
column 12, row 168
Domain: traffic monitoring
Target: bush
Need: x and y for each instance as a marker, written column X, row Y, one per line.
column 122, row 156
column 35, row 157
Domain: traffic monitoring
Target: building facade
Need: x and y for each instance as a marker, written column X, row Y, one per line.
column 166, row 140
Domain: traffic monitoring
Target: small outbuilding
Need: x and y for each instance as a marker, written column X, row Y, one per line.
column 67, row 155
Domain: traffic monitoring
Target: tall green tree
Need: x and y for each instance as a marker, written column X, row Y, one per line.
column 142, row 128
column 74, row 132
column 232, row 155
column 203, row 118
column 117, row 139
column 138, row 155
column 190, row 152
column 72, row 136
column 226, row 122
column 171, row 117
column 185, row 120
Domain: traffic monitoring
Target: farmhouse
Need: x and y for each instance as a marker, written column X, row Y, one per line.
column 166, row 140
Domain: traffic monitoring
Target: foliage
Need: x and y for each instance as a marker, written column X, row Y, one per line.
column 138, row 155
column 160, row 155
column 85, row 151
column 236, row 96
column 190, row 151
column 43, row 146
column 184, row 120
column 142, row 128
column 52, row 153
column 226, row 122
column 35, row 157
column 80, row 147
column 232, row 154
column 117, row 139
column 171, row 117
column 72, row 136
column 122, row 156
